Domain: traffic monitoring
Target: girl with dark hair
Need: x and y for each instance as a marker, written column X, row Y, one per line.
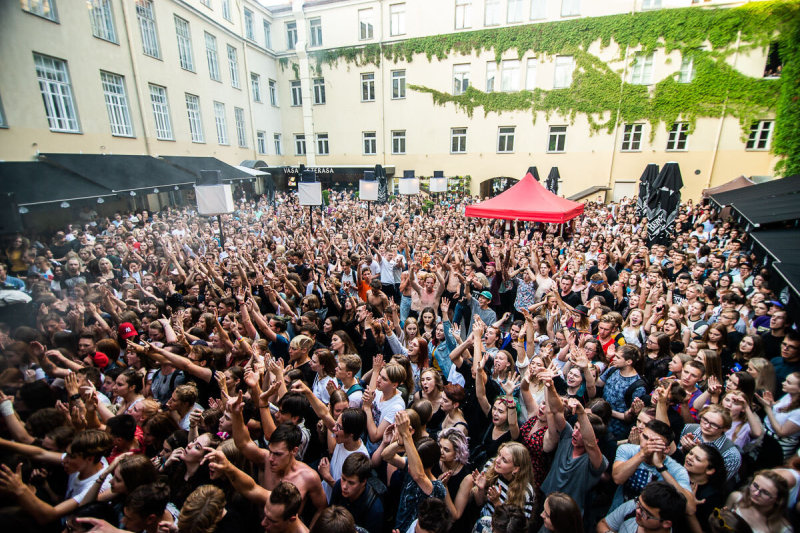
column 706, row 470
column 762, row 502
column 561, row 514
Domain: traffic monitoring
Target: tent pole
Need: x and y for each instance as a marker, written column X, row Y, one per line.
column 221, row 233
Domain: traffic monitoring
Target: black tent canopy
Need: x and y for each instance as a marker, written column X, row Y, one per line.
column 193, row 165
column 787, row 185
column 34, row 183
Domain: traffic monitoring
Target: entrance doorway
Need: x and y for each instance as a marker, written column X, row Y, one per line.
column 494, row 186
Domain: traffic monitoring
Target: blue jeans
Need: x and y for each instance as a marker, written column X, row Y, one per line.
column 405, row 308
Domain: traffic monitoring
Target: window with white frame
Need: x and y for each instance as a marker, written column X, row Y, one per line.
column 273, row 92
column 491, row 74
column 249, row 28
column 297, row 94
column 557, row 138
column 760, row 135
column 212, row 57
column 221, row 123
column 397, row 19
column 276, row 141
column 322, row 144
column 642, row 72
column 147, row 28
column 687, row 72
column 119, row 115
column 458, row 140
column 291, row 35
column 538, row 9
column 56, row 91
column 370, row 142
column 315, row 32
column 319, row 91
column 233, row 66
column 102, row 20
column 261, row 142
column 563, row 72
column 492, row 13
column 530, row 73
column 399, row 142
column 368, row 87
column 226, row 10
column 460, row 78
column 510, row 75
column 42, row 8
column 366, row 24
column 632, row 137
column 651, row 4
column 505, row 140
column 184, row 44
column 678, row 136
column 255, row 86
column 299, row 144
column 267, row 35
column 195, row 121
column 206, row 3
column 241, row 126
column 160, row 104
column 463, row 14
column 398, row 84
column 570, row 8
column 515, row 11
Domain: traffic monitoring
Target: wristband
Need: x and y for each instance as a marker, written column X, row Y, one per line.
column 662, row 469
column 74, row 397
column 6, row 408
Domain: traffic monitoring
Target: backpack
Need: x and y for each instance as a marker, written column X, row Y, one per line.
column 355, row 388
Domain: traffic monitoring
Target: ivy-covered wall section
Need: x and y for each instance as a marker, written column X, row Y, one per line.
column 604, row 96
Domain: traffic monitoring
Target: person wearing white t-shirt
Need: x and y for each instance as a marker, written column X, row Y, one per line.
column 381, row 400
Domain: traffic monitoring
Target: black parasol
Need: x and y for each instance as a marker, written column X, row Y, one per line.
column 533, row 171
column 665, row 199
column 383, row 189
column 552, row 180
column 649, row 177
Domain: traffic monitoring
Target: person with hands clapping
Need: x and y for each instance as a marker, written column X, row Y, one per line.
column 381, row 400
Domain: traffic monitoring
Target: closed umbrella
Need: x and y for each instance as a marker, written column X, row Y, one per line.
column 552, row 180
column 665, row 197
column 648, row 177
column 533, row 171
column 383, row 189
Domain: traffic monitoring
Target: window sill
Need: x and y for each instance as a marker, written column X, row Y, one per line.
column 556, row 152
column 630, row 151
column 676, row 150
column 120, row 136
column 198, row 142
column 72, row 132
column 105, row 40
column 756, row 149
column 54, row 21
column 172, row 139
column 399, row 98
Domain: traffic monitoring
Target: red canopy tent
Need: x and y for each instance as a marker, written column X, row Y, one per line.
column 527, row 200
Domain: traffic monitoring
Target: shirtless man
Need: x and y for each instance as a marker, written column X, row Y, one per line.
column 377, row 297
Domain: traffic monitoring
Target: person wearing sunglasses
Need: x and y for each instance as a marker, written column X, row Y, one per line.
column 763, row 502
column 660, row 508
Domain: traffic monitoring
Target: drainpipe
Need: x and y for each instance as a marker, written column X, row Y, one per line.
column 722, row 118
column 126, row 17
column 616, row 121
column 248, row 87
column 305, row 83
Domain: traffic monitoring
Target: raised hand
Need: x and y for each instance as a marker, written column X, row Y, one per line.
column 235, row 403
column 511, row 383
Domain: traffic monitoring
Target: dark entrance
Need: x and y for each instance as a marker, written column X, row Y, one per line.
column 494, row 186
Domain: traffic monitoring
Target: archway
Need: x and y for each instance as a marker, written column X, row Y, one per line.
column 494, row 186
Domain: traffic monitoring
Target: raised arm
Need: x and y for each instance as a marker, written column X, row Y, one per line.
column 243, row 483
column 241, row 436
column 587, row 433
column 415, row 468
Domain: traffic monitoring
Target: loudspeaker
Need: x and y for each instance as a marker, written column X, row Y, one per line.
column 10, row 219
column 214, row 199
column 209, row 177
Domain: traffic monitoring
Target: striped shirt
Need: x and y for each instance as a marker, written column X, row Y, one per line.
column 530, row 495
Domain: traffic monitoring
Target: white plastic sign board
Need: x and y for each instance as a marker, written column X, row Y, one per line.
column 309, row 193
column 214, row 199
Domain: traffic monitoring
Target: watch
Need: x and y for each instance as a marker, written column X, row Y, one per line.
column 661, row 469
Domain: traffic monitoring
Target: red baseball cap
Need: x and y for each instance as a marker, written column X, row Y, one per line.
column 100, row 359
column 126, row 330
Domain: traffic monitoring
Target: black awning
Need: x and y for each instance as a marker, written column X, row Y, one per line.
column 38, row 183
column 757, row 211
column 121, row 173
column 790, row 272
column 781, row 244
column 193, row 165
column 762, row 190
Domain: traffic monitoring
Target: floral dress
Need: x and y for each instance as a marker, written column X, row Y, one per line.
column 534, row 441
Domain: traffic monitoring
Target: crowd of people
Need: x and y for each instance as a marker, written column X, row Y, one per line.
column 411, row 371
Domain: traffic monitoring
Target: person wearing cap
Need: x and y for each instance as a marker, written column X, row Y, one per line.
column 479, row 307
column 126, row 331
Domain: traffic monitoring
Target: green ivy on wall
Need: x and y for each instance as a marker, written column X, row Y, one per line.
column 786, row 141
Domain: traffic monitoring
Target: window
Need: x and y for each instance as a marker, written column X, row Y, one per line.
column 226, row 10
column 322, row 144
column 366, row 28
column 651, row 4
column 261, row 142
column 276, row 140
column 315, row 29
column 273, row 92
column 249, row 30
column 397, row 19
column 3, row 121
column 514, row 13
column 43, row 8
column 147, row 28
column 642, row 73
column 267, row 35
column 102, row 20
column 505, row 140
column 319, row 91
column 213, row 59
column 492, row 13
column 510, row 76
column 530, row 74
column 184, row 44
column 255, row 86
column 773, row 66
column 117, row 104
column 368, row 87
column 291, row 35
column 687, row 70
column 570, row 8
column 557, row 139
column 564, row 68
column 370, row 142
column 458, row 141
column 678, row 135
column 491, row 74
column 463, row 14
column 632, row 138
column 399, row 142
column 760, row 135
column 233, row 66
column 206, row 3
column 538, row 9
column 241, row 128
column 219, row 121
column 460, row 78
column 398, row 84
column 56, row 93
column 158, row 99
column 297, row 95
column 195, row 122
column 299, row 144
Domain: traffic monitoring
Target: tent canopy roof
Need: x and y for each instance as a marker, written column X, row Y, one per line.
column 527, row 200
column 735, row 183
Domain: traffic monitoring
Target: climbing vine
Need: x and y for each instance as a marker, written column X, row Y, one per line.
column 786, row 141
